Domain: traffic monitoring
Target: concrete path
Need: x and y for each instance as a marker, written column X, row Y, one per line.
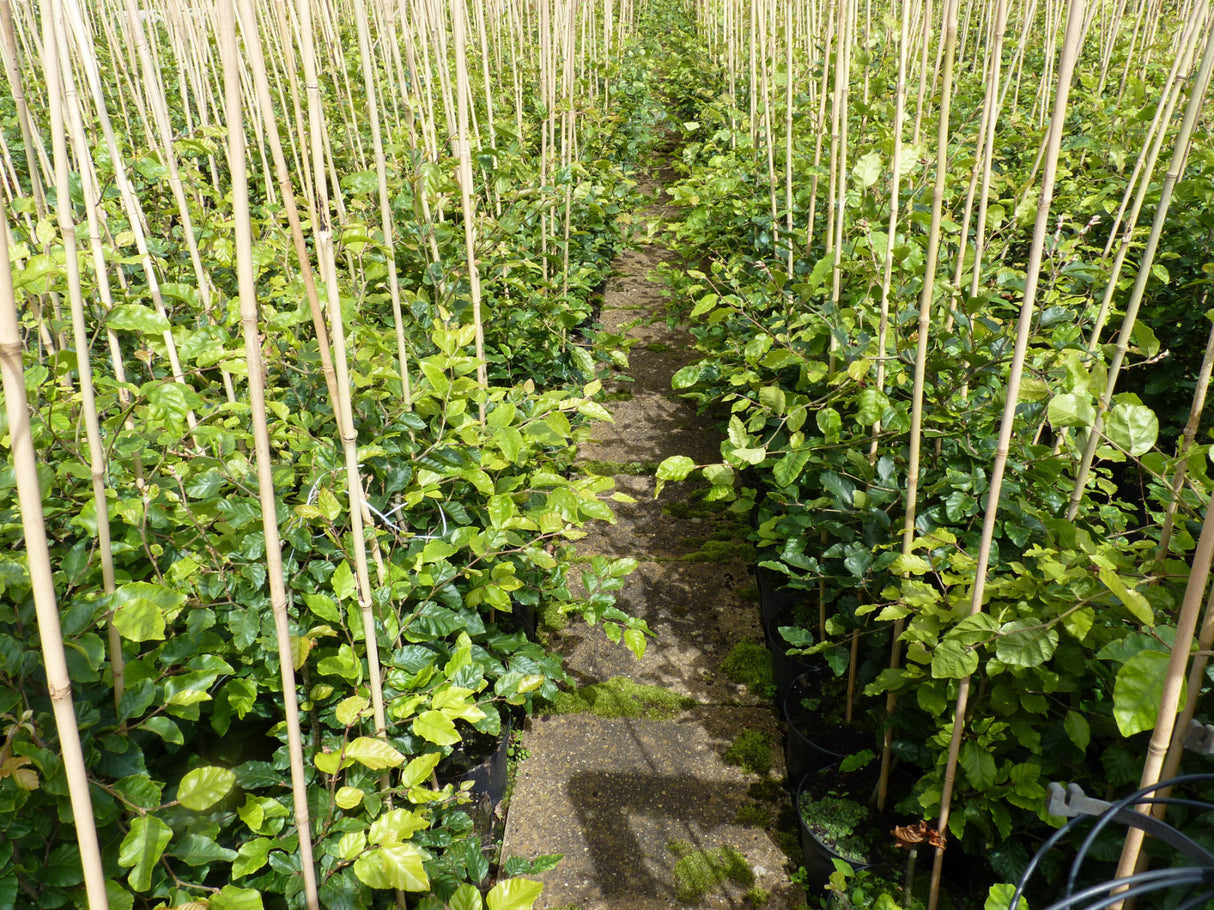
column 623, row 798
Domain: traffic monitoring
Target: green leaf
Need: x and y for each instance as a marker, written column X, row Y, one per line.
column 1136, row 603
column 251, row 856
column 979, row 765
column 952, row 660
column 686, row 377
column 141, row 610
column 773, row 398
column 135, row 317
column 514, row 894
column 142, row 848
column 999, row 897
column 676, row 467
column 872, row 404
column 199, row 850
column 789, row 468
column 232, row 898
column 435, row 727
column 204, row 787
column 419, row 769
column 1072, row 410
column 868, row 170
column 1132, row 427
column 374, row 753
column 1023, row 643
column 1077, row 729
column 344, row 585
column 466, row 897
column 396, row 826
column 394, row 866
column 1137, row 692
column 829, row 423
column 634, row 639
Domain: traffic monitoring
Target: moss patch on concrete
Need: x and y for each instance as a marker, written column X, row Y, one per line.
column 620, row 697
column 699, row 871
column 751, row 751
column 749, row 664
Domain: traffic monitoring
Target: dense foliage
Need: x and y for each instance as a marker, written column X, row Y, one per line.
column 470, row 520
column 1067, row 656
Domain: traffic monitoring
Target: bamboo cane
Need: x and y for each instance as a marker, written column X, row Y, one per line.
column 29, row 497
column 226, row 27
column 895, row 656
column 1066, row 66
column 1199, row 573
column 1179, row 157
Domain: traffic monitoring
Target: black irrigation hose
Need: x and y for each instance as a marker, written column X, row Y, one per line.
column 1124, row 803
column 1190, row 875
column 1138, row 884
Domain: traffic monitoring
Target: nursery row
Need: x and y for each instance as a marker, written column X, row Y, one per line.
column 955, row 342
column 301, row 302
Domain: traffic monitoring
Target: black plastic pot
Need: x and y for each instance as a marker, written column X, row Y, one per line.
column 488, row 772
column 784, row 669
column 777, row 602
column 803, row 751
column 817, row 857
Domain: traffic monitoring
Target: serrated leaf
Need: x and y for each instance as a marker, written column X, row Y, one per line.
column 204, row 787
column 1023, row 643
column 952, row 660
column 979, row 765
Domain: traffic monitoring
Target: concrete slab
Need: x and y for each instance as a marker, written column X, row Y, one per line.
column 614, row 795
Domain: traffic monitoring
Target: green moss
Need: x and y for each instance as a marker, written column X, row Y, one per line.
column 722, row 551
column 551, row 619
column 658, row 347
column 767, row 790
column 753, row 816
column 749, row 664
column 621, row 697
column 757, row 897
column 621, row 395
column 616, row 468
column 751, row 751
column 699, row 871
